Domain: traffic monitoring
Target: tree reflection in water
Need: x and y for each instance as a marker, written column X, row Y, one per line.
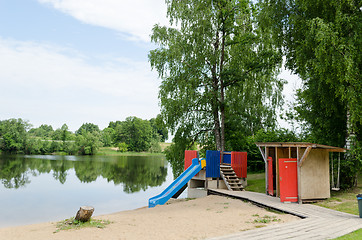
column 135, row 173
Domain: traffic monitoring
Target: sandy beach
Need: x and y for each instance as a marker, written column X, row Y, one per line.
column 201, row 218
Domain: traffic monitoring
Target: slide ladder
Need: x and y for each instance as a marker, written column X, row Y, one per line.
column 230, row 178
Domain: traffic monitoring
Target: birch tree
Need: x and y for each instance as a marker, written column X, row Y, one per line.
column 216, row 64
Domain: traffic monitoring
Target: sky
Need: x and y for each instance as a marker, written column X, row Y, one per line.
column 77, row 61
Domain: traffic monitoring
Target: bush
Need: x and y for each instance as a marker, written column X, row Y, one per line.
column 155, row 145
column 122, row 147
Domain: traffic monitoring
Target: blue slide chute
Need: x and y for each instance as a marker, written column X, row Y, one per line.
column 180, row 182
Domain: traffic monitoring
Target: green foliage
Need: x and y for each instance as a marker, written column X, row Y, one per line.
column 13, row 135
column 122, row 147
column 13, row 173
column 63, row 134
column 266, row 219
column 88, row 143
column 351, row 236
column 106, row 136
column 87, row 127
column 44, row 131
column 71, row 223
column 155, row 145
column 135, row 132
column 175, row 153
column 322, row 43
column 136, row 135
column 218, row 71
column 133, row 172
column 159, row 128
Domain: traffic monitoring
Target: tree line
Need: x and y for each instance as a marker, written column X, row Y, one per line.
column 133, row 134
column 219, row 62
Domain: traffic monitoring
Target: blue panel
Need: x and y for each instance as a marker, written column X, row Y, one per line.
column 227, row 157
column 212, row 164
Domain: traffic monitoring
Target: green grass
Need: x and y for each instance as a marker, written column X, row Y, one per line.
column 343, row 201
column 74, row 224
column 109, row 151
column 256, row 182
column 265, row 219
column 352, row 236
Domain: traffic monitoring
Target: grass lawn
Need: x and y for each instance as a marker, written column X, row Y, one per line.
column 256, row 182
column 111, row 151
column 343, row 201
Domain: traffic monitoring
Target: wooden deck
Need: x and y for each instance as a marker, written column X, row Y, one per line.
column 316, row 223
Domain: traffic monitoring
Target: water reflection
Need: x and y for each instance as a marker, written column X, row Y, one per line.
column 133, row 172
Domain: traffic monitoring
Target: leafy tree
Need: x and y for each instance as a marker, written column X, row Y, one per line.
column 122, row 147
column 106, row 136
column 217, row 66
column 155, row 146
column 44, row 131
column 63, row 134
column 321, row 40
column 135, row 132
column 88, row 143
column 159, row 128
column 13, row 135
column 87, row 127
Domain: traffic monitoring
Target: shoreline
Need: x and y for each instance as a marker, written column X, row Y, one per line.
column 200, row 218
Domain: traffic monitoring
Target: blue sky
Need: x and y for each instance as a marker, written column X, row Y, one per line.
column 77, row 61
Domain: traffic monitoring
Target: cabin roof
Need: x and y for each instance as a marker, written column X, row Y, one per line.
column 300, row 144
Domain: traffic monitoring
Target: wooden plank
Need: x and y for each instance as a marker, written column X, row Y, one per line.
column 277, row 173
column 262, row 154
column 299, row 179
column 305, row 155
column 266, row 171
column 321, row 223
column 299, row 144
column 289, row 152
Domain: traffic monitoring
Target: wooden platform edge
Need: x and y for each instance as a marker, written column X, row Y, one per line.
column 259, row 204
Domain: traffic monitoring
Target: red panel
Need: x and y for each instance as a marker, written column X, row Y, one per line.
column 288, row 179
column 270, row 176
column 239, row 163
column 189, row 155
column 244, row 164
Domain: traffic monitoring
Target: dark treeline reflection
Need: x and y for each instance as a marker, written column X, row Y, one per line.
column 133, row 172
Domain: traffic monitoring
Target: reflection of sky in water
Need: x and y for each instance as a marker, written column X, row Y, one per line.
column 46, row 199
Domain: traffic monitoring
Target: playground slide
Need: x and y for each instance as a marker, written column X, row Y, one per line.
column 179, row 183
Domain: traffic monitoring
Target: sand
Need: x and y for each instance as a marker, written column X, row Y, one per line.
column 200, row 218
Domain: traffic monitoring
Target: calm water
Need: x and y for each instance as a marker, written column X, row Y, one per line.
column 50, row 188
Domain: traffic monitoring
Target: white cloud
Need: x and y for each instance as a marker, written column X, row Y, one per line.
column 60, row 85
column 132, row 18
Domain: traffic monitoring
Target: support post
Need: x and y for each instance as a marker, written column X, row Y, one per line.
column 276, row 173
column 266, row 171
column 289, row 153
column 299, row 165
column 298, row 176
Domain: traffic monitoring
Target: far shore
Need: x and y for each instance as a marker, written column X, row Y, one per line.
column 200, row 218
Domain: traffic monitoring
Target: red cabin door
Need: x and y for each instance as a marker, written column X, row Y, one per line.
column 270, row 177
column 288, row 180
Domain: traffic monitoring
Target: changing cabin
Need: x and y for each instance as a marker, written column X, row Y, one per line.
column 295, row 171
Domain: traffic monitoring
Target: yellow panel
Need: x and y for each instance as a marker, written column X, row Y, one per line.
column 203, row 163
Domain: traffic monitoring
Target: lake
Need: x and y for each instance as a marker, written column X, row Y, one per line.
column 45, row 188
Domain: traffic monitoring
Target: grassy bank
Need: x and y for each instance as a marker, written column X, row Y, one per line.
column 256, row 182
column 111, row 151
